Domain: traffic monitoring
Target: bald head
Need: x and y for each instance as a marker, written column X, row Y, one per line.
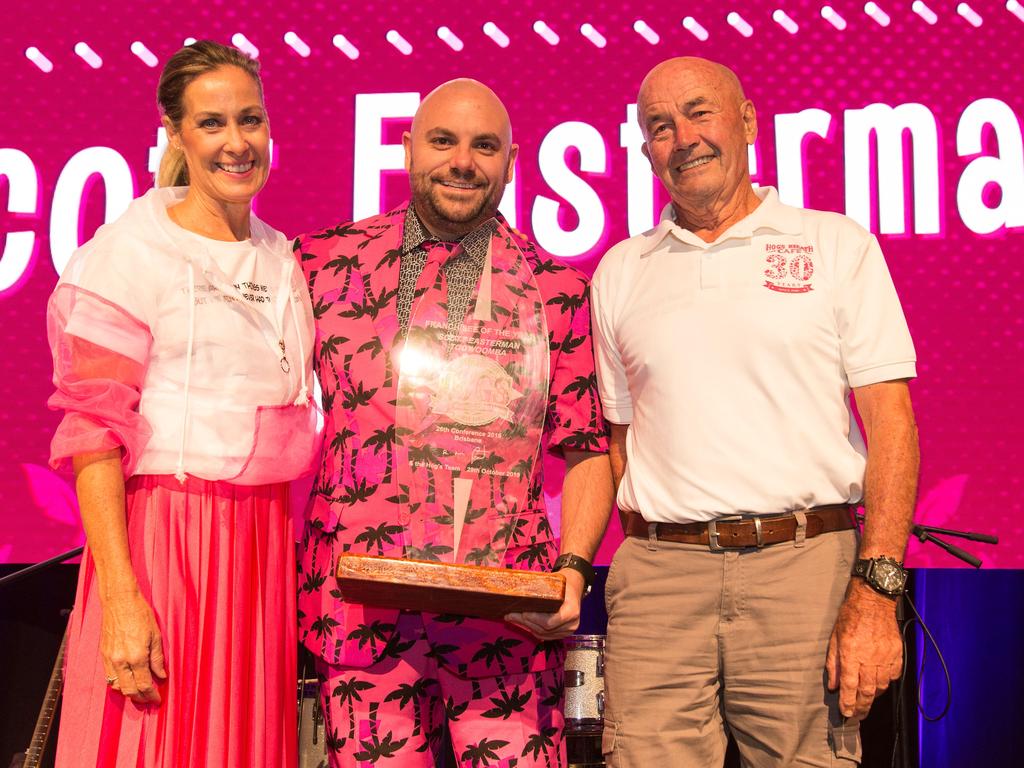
column 462, row 93
column 692, row 70
column 460, row 155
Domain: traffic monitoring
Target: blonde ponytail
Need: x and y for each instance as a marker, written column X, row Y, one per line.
column 173, row 171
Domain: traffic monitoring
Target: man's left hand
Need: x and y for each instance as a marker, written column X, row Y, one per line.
column 561, row 623
column 865, row 652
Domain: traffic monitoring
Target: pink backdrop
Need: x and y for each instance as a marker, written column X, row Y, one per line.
column 955, row 251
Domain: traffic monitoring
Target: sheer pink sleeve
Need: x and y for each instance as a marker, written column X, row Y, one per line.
column 100, row 353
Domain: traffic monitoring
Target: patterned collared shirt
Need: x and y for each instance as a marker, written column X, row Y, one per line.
column 461, row 271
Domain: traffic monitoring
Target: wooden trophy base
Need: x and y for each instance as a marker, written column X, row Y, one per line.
column 467, row 590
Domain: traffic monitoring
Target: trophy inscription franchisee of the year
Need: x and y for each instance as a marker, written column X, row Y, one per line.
column 469, row 418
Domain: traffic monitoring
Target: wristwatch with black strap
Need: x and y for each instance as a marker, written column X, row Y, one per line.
column 883, row 574
column 578, row 564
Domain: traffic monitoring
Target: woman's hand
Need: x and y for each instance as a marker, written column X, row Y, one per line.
column 131, row 646
column 130, row 642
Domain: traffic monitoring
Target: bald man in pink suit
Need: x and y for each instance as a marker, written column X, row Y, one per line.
column 390, row 679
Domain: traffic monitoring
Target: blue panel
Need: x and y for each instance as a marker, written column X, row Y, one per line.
column 977, row 618
column 593, row 619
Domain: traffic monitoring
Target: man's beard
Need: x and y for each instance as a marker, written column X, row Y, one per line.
column 428, row 195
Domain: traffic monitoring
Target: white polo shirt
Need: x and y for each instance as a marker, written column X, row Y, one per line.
column 733, row 361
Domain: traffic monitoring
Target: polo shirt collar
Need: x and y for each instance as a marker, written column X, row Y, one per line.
column 770, row 214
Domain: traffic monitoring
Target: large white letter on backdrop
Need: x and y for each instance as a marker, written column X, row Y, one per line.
column 639, row 179
column 790, row 132
column 574, row 190
column 1005, row 170
column 22, row 197
column 888, row 124
column 118, row 184
column 371, row 157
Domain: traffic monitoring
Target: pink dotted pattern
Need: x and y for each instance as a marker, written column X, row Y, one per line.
column 962, row 292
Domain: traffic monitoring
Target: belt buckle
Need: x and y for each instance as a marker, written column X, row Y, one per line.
column 713, row 532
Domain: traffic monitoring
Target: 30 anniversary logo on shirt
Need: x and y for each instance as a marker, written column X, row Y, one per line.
column 788, row 267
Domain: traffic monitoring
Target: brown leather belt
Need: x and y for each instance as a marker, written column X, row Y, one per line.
column 741, row 533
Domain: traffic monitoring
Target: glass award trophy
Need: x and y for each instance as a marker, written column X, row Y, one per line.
column 472, row 397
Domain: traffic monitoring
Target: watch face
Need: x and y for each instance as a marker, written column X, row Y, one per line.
column 889, row 577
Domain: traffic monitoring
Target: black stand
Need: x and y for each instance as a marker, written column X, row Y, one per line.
column 29, row 570
column 26, row 636
column 926, row 533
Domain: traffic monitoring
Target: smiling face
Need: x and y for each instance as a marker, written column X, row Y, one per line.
column 697, row 125
column 224, row 136
column 460, row 156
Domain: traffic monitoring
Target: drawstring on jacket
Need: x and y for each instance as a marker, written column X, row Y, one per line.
column 180, row 474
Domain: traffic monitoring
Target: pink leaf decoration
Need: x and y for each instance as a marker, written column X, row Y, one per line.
column 52, row 494
column 940, row 503
column 937, row 508
column 553, row 506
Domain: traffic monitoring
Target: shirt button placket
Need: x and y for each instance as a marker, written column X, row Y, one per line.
column 708, row 270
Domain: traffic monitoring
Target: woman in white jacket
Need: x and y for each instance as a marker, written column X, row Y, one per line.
column 182, row 338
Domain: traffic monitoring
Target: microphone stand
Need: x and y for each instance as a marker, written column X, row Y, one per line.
column 927, row 533
column 35, row 568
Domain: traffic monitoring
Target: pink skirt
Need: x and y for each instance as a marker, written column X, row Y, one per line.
column 217, row 563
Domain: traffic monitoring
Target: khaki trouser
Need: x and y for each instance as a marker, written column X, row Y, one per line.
column 700, row 641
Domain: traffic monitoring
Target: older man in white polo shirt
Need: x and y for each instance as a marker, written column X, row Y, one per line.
column 728, row 341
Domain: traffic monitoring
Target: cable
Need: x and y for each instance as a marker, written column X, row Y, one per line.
column 908, row 626
column 945, row 669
